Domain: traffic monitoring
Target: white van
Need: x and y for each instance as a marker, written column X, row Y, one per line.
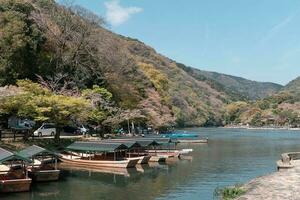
column 45, row 130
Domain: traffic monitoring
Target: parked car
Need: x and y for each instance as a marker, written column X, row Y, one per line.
column 47, row 129
column 83, row 129
column 71, row 129
column 18, row 123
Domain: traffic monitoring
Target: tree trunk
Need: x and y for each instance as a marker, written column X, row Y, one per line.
column 57, row 135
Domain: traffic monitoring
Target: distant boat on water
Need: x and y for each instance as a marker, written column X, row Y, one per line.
column 180, row 135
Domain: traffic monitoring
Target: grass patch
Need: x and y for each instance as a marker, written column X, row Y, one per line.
column 229, row 193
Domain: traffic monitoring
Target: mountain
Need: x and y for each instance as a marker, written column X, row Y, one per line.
column 236, row 85
column 71, row 46
column 293, row 86
column 280, row 109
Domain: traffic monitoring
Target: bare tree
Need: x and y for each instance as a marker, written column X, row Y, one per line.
column 59, row 84
column 71, row 33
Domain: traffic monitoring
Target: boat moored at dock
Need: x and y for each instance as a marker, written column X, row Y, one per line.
column 97, row 154
column 13, row 173
column 43, row 164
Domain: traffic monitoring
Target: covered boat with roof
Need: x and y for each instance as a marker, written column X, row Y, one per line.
column 97, row 155
column 160, row 149
column 43, row 165
column 13, row 173
column 134, row 150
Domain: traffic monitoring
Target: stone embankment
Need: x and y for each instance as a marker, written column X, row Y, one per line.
column 281, row 185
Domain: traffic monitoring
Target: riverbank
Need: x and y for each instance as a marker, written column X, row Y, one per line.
column 261, row 127
column 48, row 143
column 283, row 184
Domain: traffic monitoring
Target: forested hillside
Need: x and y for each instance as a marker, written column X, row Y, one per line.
column 237, row 86
column 293, row 86
column 281, row 109
column 67, row 50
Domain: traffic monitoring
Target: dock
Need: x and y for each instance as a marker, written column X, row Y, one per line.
column 197, row 141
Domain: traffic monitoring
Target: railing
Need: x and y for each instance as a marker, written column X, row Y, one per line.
column 13, row 134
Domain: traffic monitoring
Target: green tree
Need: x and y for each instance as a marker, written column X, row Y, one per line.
column 20, row 42
column 102, row 103
column 41, row 105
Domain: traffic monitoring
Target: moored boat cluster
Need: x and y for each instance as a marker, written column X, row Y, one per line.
column 18, row 170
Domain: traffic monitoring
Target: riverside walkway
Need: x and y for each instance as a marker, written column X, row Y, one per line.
column 281, row 185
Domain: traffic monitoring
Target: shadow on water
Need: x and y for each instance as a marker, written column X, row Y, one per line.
column 231, row 156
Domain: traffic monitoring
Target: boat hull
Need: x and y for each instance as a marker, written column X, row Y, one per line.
column 158, row 158
column 169, row 153
column 44, row 175
column 106, row 170
column 17, row 185
column 141, row 159
column 99, row 163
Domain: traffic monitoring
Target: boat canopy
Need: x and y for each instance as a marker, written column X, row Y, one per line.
column 142, row 143
column 34, row 150
column 129, row 144
column 7, row 156
column 156, row 138
column 148, row 143
column 96, row 147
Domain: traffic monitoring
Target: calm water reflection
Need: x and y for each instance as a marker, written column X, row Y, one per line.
column 232, row 156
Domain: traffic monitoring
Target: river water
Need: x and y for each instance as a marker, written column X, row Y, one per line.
column 232, row 156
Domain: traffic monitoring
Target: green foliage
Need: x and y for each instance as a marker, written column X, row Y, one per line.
column 44, row 38
column 233, row 111
column 257, row 120
column 97, row 91
column 277, row 110
column 229, row 193
column 20, row 42
column 235, row 87
column 293, row 86
column 158, row 79
column 41, row 105
column 101, row 99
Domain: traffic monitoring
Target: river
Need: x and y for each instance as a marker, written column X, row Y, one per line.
column 231, row 156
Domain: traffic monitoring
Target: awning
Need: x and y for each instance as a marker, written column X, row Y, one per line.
column 145, row 142
column 7, row 156
column 34, row 150
column 129, row 144
column 96, row 147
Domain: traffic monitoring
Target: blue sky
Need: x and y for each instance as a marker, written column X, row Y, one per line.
column 255, row 39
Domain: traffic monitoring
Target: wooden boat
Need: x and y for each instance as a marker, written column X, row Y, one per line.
column 131, row 153
column 98, row 154
column 143, row 158
column 44, row 164
column 169, row 153
column 13, row 174
column 15, row 185
column 105, row 170
column 158, row 158
column 97, row 162
column 152, row 144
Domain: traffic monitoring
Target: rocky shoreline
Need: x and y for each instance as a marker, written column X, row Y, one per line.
column 283, row 184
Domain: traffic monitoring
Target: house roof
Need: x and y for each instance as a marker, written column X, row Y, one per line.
column 34, row 150
column 96, row 146
column 6, row 155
